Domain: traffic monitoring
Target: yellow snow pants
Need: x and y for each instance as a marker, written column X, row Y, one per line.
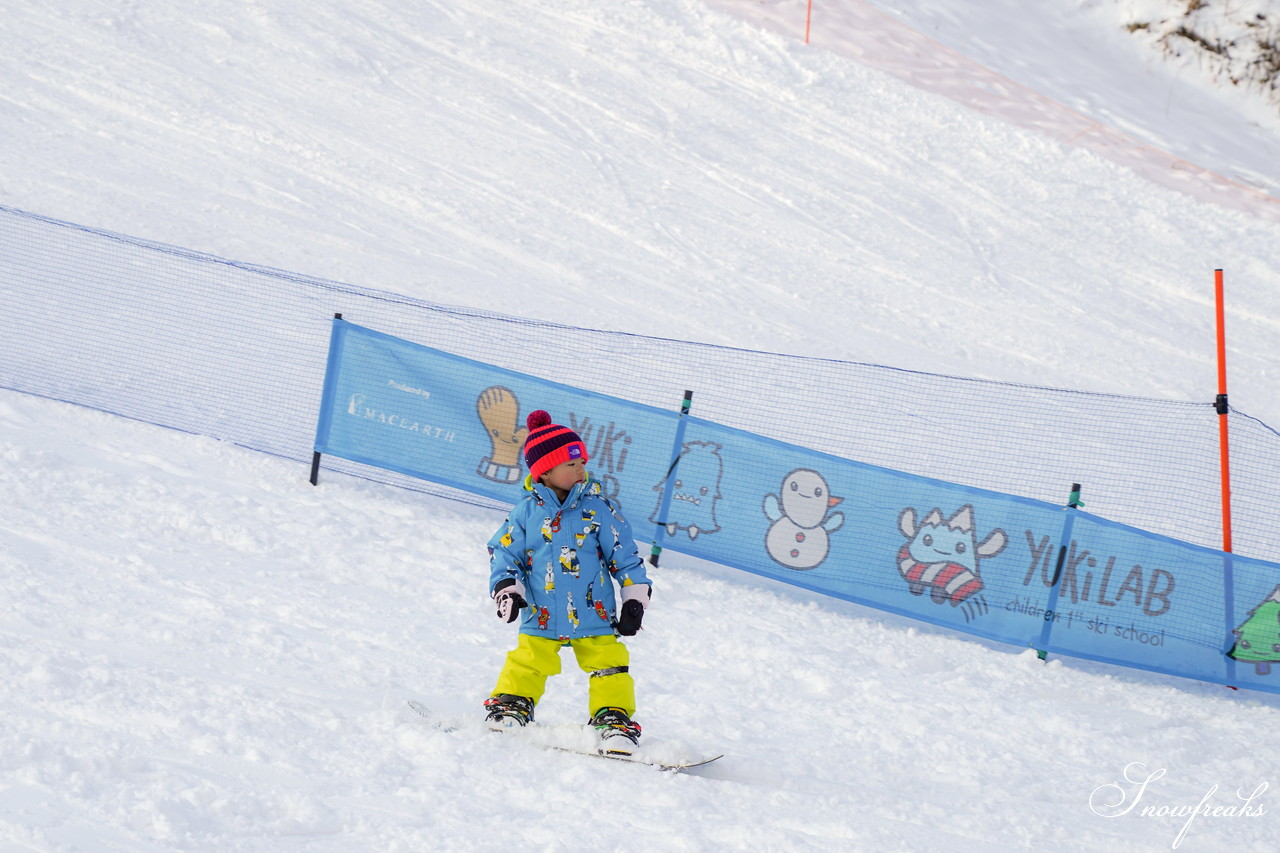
column 534, row 659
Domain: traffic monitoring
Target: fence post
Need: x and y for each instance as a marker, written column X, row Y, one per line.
column 1051, row 606
column 665, row 504
column 326, row 400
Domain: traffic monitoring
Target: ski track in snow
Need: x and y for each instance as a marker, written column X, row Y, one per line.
column 876, row 38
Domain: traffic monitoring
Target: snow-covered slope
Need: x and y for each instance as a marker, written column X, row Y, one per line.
column 1088, row 56
column 656, row 166
column 201, row 651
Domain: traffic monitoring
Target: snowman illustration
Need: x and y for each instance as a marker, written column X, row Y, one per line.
column 802, row 520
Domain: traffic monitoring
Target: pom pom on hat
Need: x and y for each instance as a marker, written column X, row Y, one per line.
column 549, row 445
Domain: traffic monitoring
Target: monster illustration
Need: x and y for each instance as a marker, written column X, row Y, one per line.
column 546, row 529
column 572, row 612
column 544, row 618
column 694, row 492
column 499, row 412
column 1258, row 637
column 801, row 517
column 942, row 555
column 549, row 584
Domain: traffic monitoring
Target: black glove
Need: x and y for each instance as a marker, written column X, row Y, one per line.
column 635, row 598
column 630, row 618
column 507, row 595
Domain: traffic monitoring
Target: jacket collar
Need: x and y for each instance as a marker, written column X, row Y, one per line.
column 544, row 494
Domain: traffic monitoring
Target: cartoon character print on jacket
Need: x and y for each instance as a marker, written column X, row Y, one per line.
column 596, row 604
column 576, row 562
column 569, row 560
column 589, row 526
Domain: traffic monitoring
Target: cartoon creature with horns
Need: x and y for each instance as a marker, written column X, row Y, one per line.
column 942, row 555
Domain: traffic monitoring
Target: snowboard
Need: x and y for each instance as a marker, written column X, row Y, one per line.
column 571, row 739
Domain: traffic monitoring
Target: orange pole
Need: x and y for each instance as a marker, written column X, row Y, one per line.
column 1222, row 408
column 808, row 15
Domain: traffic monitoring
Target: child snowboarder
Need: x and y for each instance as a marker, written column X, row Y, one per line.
column 559, row 553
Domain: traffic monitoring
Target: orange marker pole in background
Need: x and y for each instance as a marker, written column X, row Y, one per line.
column 1221, row 406
column 1228, row 571
column 808, row 15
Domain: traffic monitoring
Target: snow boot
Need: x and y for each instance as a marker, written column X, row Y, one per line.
column 506, row 711
column 619, row 734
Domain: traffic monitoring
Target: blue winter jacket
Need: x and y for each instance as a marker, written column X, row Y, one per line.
column 566, row 559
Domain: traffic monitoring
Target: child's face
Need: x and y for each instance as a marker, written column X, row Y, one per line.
column 565, row 475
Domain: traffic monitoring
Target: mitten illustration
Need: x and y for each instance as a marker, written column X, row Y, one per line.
column 499, row 411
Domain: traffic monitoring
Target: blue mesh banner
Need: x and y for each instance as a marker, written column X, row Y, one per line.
column 167, row 327
column 426, row 413
column 999, row 566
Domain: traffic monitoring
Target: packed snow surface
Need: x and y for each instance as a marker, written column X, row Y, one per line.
column 201, row 651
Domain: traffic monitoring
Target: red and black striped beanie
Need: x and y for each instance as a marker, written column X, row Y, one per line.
column 549, row 444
